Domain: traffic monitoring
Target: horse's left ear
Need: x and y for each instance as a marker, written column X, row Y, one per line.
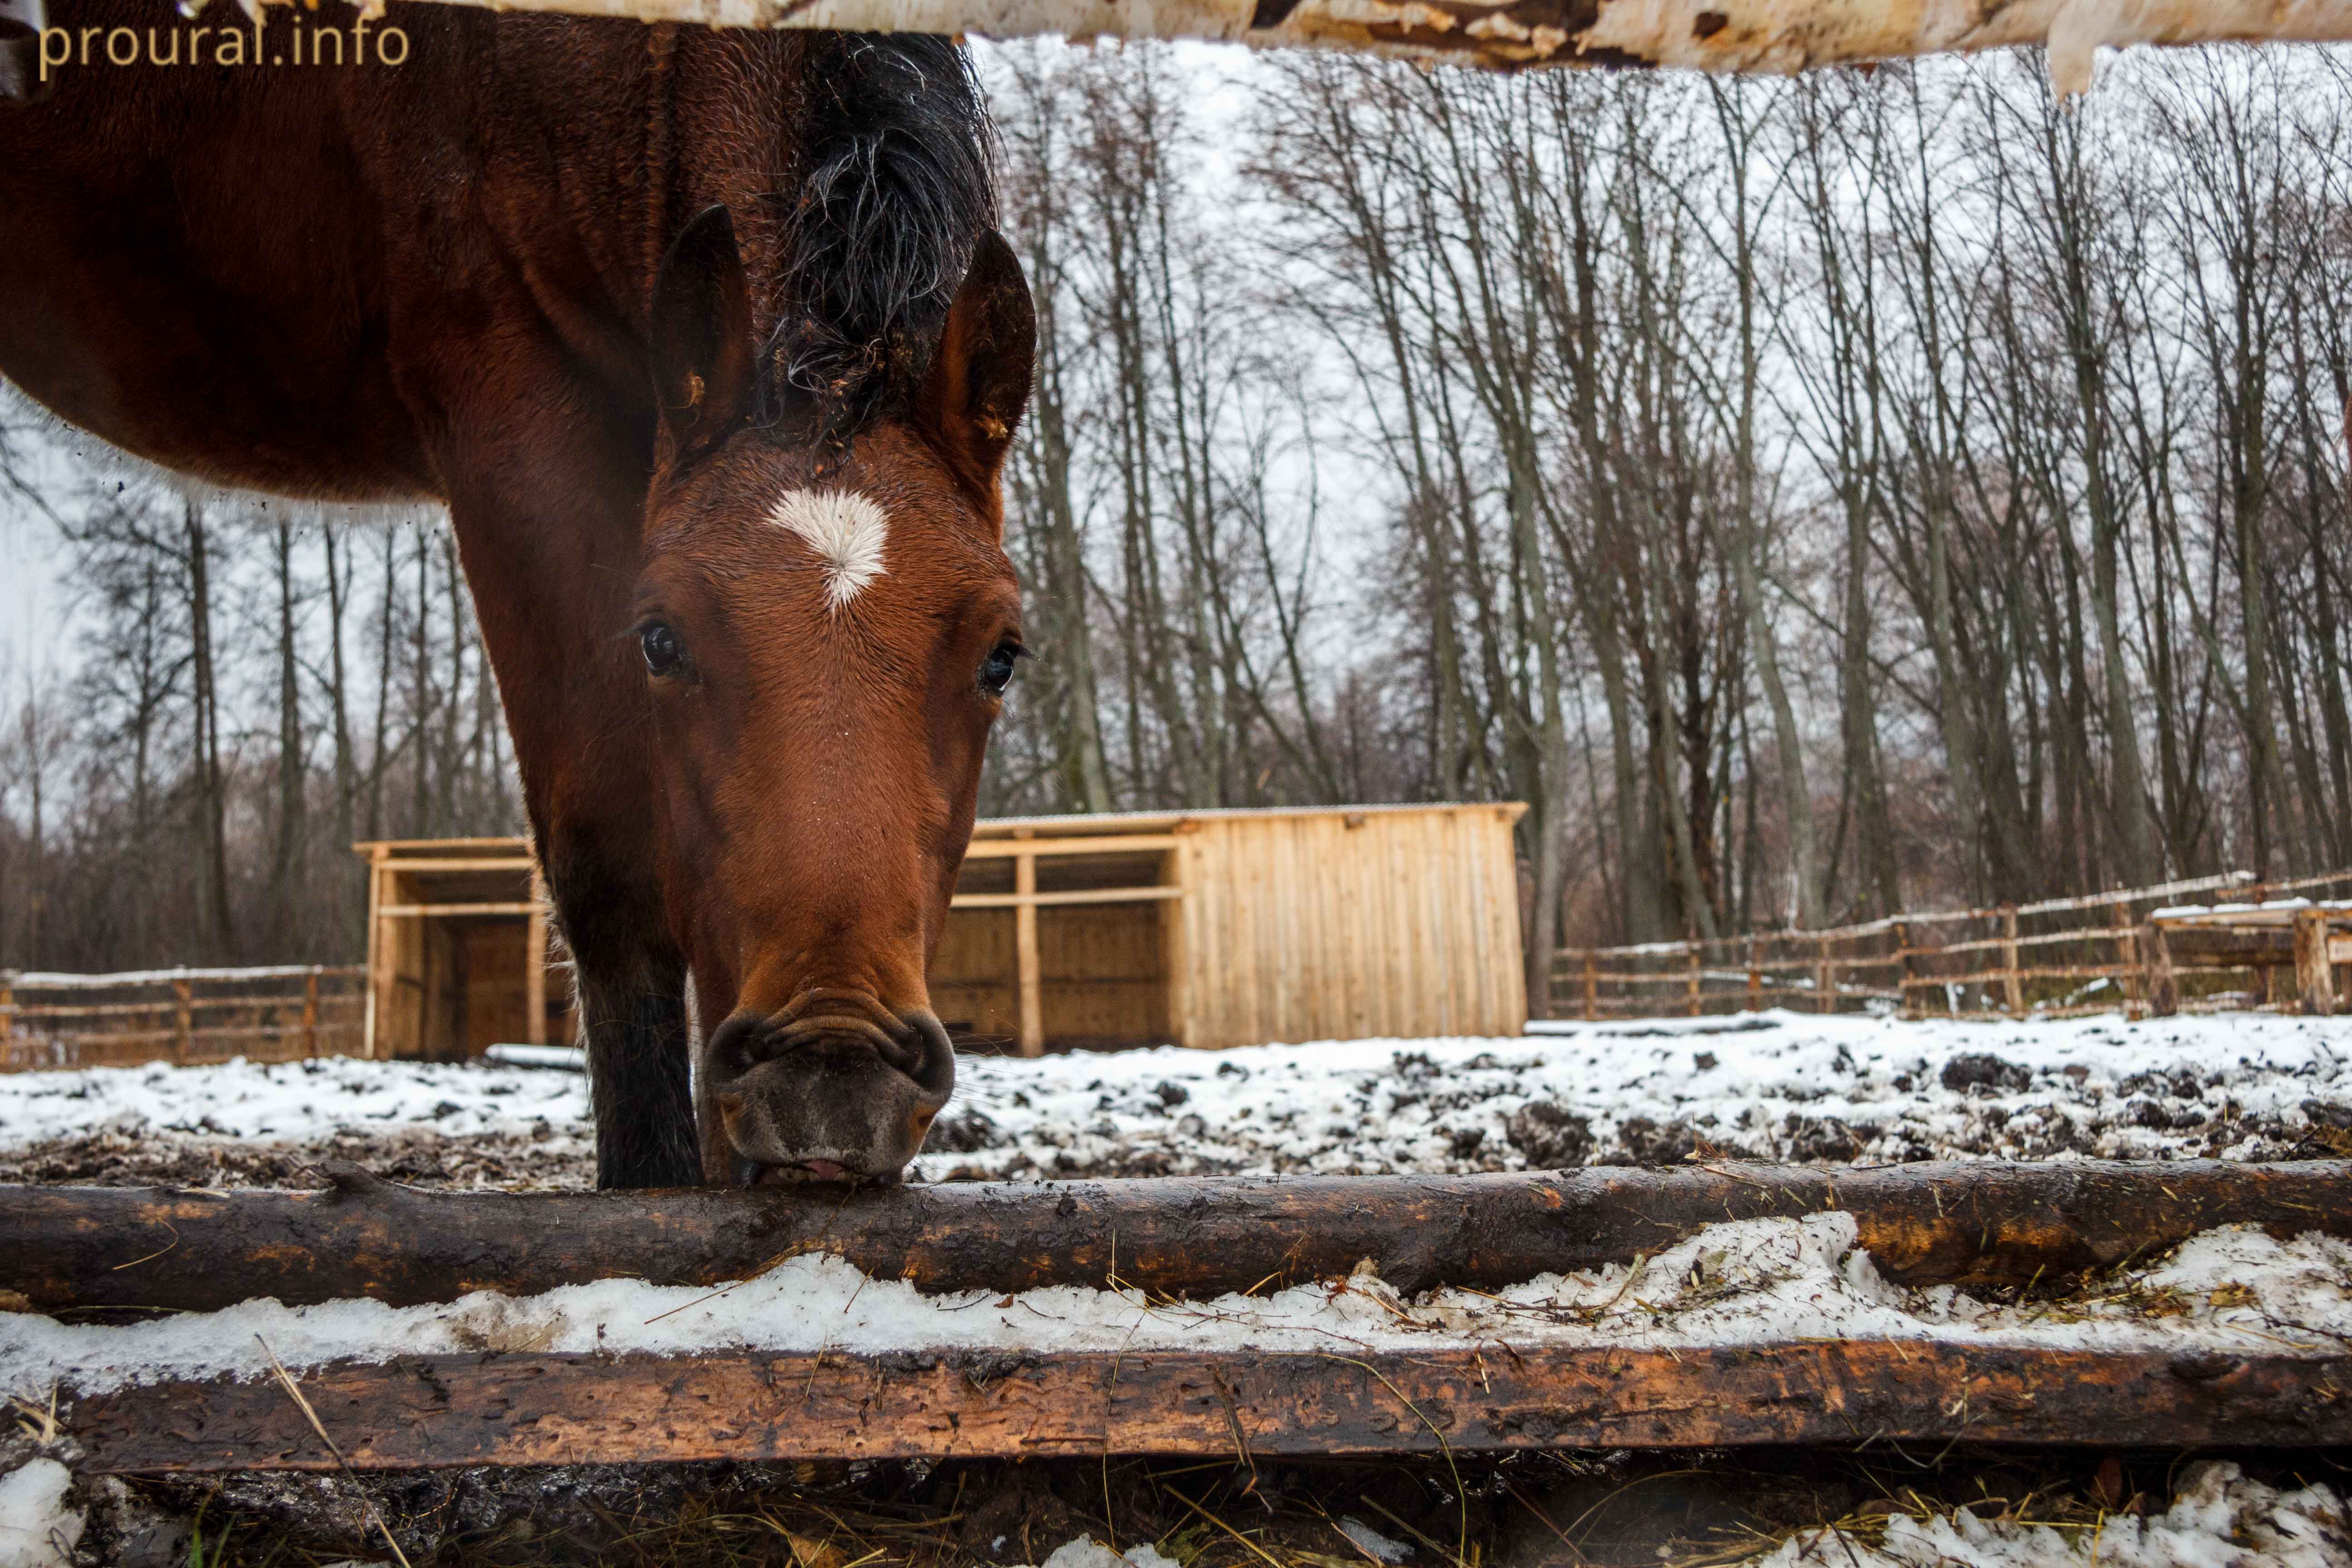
column 702, row 333
column 979, row 380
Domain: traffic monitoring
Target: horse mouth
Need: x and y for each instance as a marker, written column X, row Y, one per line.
column 801, row 1173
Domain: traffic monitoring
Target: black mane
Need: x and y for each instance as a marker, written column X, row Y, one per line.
column 895, row 194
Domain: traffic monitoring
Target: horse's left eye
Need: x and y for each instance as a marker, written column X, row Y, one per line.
column 665, row 653
column 997, row 670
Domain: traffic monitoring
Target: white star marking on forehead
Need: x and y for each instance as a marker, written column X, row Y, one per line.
column 844, row 529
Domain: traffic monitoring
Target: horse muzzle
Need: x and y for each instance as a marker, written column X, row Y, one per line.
column 835, row 1087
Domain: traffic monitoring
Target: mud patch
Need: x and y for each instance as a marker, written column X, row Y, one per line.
column 418, row 1156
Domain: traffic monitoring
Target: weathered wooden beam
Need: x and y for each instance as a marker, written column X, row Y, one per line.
column 2313, row 972
column 1974, row 1224
column 2250, row 945
column 1754, row 36
column 529, row 1409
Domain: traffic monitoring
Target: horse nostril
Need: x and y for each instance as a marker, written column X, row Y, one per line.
column 744, row 1042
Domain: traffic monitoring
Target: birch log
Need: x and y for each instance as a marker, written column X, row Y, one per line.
column 1767, row 37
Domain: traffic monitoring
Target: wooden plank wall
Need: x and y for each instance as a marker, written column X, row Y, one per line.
column 1349, row 925
column 1103, row 978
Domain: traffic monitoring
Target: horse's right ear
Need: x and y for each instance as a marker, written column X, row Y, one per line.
column 981, row 371
column 702, row 333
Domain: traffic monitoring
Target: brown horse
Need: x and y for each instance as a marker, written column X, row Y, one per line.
column 706, row 342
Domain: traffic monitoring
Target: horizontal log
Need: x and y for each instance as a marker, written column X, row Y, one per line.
column 2245, row 944
column 1073, row 896
column 453, row 912
column 1758, row 36
column 1974, row 1224
column 528, row 1409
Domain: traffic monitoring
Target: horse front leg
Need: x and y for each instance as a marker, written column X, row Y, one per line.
column 630, row 981
column 538, row 549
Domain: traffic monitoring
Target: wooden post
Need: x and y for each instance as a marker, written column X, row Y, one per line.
column 1024, row 950
column 8, row 1006
column 1755, row 975
column 375, row 982
column 1698, row 974
column 2012, row 987
column 310, row 1012
column 1592, row 986
column 2163, row 985
column 534, row 958
column 184, row 1014
column 2314, row 981
column 2127, row 939
column 1824, row 976
column 1904, row 977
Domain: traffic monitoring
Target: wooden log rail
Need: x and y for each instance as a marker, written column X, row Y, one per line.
column 1983, row 1225
column 1980, row 1224
column 423, row 1411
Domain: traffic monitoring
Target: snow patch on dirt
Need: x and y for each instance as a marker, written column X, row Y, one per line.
column 1774, row 1086
column 2220, row 1519
column 39, row 1528
column 249, row 1124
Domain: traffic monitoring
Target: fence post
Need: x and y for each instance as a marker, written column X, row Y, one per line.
column 184, row 1014
column 1698, row 974
column 2127, row 952
column 2163, row 985
column 1905, row 979
column 1592, row 985
column 2012, row 987
column 2314, row 980
column 8, row 1006
column 310, row 1012
column 1024, row 954
column 1824, row 976
column 534, row 959
column 1755, row 975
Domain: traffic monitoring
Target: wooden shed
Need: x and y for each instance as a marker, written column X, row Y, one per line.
column 1198, row 928
column 1236, row 928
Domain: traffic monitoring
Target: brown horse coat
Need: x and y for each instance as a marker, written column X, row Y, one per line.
column 446, row 278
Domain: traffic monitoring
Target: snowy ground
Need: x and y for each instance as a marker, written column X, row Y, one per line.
column 1779, row 1085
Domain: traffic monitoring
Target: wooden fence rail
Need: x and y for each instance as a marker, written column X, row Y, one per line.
column 1985, row 1225
column 282, row 1012
column 2280, row 945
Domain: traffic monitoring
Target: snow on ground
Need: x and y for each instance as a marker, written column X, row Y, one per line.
column 2220, row 1519
column 1776, row 1086
column 1779, row 1085
column 1741, row 1282
column 246, row 1124
column 37, row 1528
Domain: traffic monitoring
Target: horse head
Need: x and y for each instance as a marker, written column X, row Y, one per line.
column 828, row 621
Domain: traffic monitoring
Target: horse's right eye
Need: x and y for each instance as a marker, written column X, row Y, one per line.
column 665, row 653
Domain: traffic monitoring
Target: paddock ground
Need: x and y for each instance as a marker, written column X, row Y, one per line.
column 1785, row 1086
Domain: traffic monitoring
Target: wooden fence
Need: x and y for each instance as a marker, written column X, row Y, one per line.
column 179, row 1016
column 2256, row 946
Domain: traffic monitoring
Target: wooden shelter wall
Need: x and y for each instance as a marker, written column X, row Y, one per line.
column 494, row 975
column 1103, row 976
column 1349, row 925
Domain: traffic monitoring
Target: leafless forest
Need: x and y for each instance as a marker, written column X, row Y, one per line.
column 1813, row 496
